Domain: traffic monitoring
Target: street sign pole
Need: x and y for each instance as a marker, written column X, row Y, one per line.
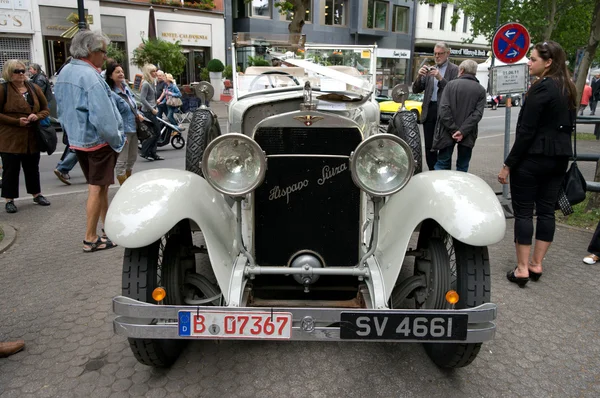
column 510, row 44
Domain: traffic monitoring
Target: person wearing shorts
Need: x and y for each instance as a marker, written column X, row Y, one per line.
column 94, row 127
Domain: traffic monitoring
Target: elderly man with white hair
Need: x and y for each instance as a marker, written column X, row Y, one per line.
column 89, row 115
column 460, row 110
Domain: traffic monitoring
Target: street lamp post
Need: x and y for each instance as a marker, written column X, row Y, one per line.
column 81, row 12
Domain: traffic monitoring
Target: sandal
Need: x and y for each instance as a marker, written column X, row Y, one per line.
column 591, row 259
column 106, row 239
column 99, row 244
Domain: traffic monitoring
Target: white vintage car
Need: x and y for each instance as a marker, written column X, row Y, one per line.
column 297, row 223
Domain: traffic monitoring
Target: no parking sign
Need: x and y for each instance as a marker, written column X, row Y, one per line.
column 511, row 42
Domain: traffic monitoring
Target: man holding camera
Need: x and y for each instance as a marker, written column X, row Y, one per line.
column 432, row 80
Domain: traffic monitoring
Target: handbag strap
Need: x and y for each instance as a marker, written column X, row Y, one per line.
column 574, row 132
column 126, row 98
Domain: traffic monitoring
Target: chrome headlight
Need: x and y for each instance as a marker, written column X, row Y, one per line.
column 382, row 164
column 234, row 164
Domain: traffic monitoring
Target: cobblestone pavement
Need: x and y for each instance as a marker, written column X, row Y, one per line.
column 59, row 300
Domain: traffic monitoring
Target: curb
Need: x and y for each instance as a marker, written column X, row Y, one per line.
column 591, row 231
column 10, row 235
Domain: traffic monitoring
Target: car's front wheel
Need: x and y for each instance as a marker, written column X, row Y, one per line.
column 451, row 265
column 169, row 263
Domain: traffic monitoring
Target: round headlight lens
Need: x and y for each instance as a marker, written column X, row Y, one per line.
column 234, row 164
column 382, row 165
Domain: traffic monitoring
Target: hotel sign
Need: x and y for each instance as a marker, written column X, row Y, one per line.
column 15, row 16
column 188, row 34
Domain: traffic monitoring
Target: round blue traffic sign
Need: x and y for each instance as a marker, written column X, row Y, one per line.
column 511, row 43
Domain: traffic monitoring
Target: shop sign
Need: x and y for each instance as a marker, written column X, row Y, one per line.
column 468, row 52
column 15, row 16
column 188, row 34
column 393, row 53
column 15, row 21
column 55, row 22
column 114, row 27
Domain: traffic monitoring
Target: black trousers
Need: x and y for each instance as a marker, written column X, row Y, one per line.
column 428, row 129
column 594, row 246
column 11, row 168
column 535, row 182
column 149, row 145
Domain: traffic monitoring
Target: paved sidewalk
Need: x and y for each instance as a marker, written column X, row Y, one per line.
column 58, row 299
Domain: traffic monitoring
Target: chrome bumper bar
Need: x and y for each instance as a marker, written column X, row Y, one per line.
column 136, row 319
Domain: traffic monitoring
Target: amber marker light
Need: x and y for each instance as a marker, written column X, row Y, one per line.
column 452, row 297
column 159, row 294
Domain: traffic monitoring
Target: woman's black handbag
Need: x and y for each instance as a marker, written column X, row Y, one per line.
column 572, row 190
column 144, row 131
column 46, row 136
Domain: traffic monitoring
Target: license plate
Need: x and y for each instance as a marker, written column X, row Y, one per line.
column 385, row 116
column 382, row 326
column 235, row 325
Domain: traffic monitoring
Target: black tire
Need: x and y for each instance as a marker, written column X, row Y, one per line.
column 404, row 125
column 517, row 102
column 177, row 141
column 170, row 257
column 203, row 128
column 458, row 266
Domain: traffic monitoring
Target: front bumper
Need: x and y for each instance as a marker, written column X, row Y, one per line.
column 136, row 319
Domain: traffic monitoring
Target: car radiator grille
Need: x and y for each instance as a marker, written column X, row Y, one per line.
column 308, row 202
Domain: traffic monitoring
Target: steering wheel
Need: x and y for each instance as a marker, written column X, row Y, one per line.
column 272, row 72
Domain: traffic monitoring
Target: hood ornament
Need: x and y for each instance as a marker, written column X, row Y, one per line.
column 307, row 104
column 308, row 120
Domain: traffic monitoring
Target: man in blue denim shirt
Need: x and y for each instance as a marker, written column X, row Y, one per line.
column 93, row 124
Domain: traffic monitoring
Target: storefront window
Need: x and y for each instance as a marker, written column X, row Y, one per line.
column 401, row 19
column 260, row 8
column 335, row 12
column 377, row 14
column 390, row 72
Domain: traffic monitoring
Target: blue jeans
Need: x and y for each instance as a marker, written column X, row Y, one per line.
column 171, row 111
column 444, row 158
column 68, row 162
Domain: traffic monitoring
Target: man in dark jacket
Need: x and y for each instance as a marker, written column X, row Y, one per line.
column 460, row 110
column 431, row 80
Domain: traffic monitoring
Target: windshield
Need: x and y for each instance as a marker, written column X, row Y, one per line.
column 284, row 62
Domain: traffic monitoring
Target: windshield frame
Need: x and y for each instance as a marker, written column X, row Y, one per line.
column 368, row 90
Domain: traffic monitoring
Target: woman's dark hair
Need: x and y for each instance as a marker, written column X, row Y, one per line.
column 110, row 68
column 558, row 69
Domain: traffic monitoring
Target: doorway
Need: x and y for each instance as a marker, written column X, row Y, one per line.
column 197, row 58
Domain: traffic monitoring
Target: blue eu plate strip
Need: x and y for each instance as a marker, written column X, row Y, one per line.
column 185, row 327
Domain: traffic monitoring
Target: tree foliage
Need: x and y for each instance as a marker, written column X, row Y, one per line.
column 296, row 8
column 564, row 21
column 164, row 54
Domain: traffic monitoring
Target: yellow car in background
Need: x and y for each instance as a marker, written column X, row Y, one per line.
column 414, row 103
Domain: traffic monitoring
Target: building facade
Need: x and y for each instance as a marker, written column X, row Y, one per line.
column 36, row 33
column 434, row 24
column 16, row 30
column 388, row 24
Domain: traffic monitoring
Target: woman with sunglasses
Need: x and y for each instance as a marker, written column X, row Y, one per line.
column 539, row 157
column 22, row 105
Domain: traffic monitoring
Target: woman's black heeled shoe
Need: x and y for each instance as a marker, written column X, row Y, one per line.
column 510, row 275
column 535, row 276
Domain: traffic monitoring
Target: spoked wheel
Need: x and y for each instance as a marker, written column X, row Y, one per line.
column 451, row 265
column 404, row 125
column 203, row 129
column 170, row 263
column 177, row 141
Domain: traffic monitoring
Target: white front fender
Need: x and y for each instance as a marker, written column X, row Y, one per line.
column 152, row 202
column 463, row 204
